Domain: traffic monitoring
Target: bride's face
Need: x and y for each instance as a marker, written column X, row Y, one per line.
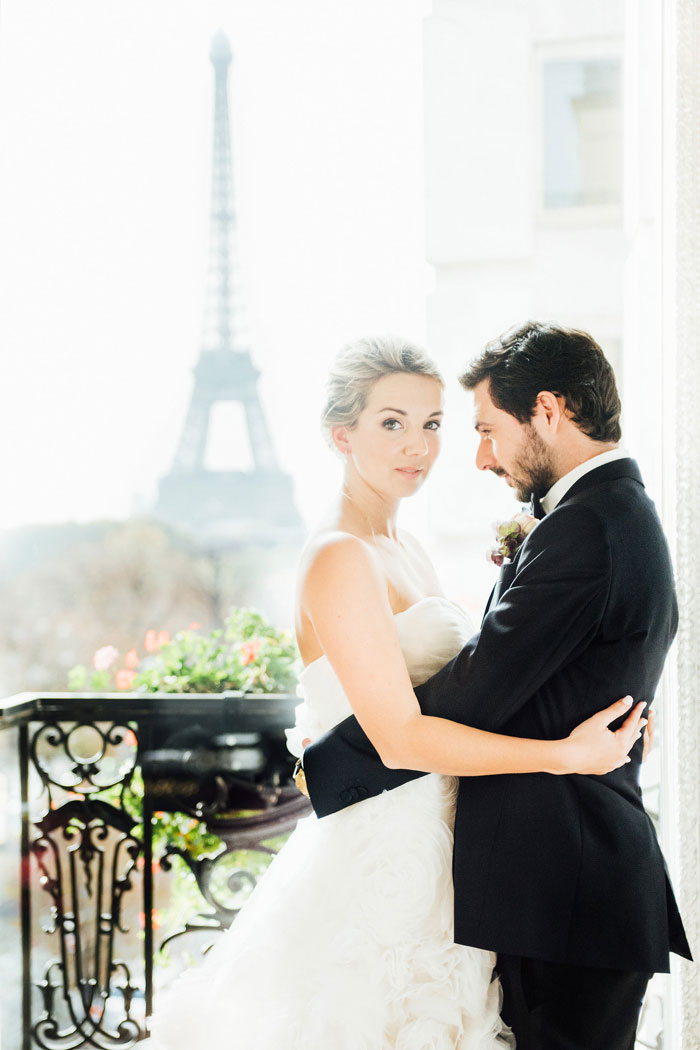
column 396, row 439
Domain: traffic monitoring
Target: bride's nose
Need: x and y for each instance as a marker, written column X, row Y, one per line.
column 416, row 444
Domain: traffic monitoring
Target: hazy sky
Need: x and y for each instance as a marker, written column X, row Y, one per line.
column 105, row 144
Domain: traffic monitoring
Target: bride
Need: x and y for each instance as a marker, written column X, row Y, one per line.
column 346, row 942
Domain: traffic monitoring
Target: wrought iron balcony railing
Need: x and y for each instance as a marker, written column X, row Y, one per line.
column 95, row 777
column 96, row 771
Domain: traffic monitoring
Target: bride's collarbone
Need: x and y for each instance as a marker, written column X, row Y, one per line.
column 408, row 581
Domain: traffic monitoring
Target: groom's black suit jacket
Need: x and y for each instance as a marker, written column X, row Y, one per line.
column 563, row 868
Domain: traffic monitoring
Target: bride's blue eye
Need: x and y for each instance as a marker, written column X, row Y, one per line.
column 391, row 424
column 432, row 424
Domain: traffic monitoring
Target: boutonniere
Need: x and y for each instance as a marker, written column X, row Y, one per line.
column 510, row 536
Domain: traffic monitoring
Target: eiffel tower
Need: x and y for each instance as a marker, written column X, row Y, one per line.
column 226, row 508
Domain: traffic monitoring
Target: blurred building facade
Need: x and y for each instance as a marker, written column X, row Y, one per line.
column 543, row 164
column 524, row 168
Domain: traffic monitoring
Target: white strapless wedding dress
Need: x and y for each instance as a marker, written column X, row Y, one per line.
column 346, row 943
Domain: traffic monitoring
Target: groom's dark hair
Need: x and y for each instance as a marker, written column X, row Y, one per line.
column 533, row 357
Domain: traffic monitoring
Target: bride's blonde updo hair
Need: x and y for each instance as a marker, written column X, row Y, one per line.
column 357, row 368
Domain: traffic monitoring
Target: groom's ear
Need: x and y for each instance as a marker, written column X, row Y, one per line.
column 550, row 409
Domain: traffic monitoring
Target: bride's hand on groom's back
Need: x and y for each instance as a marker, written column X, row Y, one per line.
column 594, row 748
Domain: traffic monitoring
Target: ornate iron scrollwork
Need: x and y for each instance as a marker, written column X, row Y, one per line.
column 86, row 851
column 84, row 757
column 249, row 832
column 91, row 837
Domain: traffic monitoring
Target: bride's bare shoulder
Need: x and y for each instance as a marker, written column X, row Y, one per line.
column 327, row 546
column 333, row 563
column 332, row 555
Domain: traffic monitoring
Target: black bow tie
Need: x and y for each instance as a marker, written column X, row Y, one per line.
column 537, row 510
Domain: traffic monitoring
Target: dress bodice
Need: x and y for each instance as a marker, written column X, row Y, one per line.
column 431, row 632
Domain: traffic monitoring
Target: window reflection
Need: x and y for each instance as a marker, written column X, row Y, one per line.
column 582, row 141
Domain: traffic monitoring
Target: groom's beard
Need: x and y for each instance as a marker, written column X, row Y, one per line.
column 534, row 472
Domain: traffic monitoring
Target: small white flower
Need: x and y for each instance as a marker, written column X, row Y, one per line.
column 105, row 657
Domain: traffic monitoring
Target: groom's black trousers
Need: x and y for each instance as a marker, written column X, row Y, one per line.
column 551, row 1006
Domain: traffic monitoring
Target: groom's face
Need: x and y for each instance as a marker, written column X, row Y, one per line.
column 511, row 449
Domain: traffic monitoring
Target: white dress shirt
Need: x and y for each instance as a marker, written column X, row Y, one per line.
column 561, row 487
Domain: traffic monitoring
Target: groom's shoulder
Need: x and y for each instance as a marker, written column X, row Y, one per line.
column 578, row 529
column 609, row 512
column 618, row 500
column 609, row 489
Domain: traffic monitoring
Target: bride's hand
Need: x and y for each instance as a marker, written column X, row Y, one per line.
column 593, row 748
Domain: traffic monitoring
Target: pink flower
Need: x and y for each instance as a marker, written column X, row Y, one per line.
column 194, row 626
column 150, row 642
column 155, row 639
column 124, row 678
column 105, row 657
column 155, row 919
column 250, row 650
column 131, row 659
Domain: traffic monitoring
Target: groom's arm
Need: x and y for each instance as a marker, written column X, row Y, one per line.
column 549, row 614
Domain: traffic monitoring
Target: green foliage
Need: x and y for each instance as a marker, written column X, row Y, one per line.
column 167, row 829
column 248, row 654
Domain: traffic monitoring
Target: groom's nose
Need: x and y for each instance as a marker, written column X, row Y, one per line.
column 485, row 459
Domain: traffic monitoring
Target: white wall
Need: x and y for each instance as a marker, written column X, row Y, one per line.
column 498, row 258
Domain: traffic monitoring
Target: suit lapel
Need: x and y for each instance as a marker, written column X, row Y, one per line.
column 610, row 471
column 506, row 577
column 619, row 468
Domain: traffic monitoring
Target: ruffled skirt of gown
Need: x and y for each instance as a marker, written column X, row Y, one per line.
column 346, row 944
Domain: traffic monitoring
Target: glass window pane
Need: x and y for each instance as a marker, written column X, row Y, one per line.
column 582, row 138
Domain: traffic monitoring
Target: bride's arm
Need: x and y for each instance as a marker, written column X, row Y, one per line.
column 344, row 596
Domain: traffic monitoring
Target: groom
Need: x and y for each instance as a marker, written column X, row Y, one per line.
column 561, row 875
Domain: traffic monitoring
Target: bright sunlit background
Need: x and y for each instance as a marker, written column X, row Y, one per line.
column 440, row 170
column 105, row 140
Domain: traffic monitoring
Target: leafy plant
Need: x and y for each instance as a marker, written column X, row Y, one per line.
column 248, row 654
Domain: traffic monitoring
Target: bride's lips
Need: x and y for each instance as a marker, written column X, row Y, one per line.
column 410, row 472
